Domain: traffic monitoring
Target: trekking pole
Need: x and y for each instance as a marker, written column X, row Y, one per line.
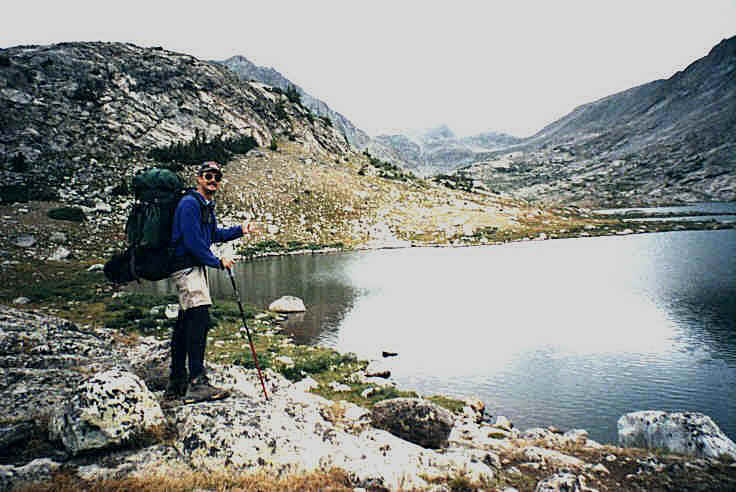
column 247, row 332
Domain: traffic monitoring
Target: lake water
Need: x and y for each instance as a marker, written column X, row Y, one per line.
column 571, row 332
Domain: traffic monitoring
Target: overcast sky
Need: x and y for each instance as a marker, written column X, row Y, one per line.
column 484, row 65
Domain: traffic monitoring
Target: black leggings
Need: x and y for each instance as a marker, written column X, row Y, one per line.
column 189, row 338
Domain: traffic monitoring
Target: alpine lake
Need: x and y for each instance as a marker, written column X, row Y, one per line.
column 569, row 332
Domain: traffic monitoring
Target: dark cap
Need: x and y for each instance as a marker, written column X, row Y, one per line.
column 210, row 166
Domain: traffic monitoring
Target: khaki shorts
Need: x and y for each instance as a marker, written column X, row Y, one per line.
column 192, row 286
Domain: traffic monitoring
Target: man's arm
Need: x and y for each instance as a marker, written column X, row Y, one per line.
column 228, row 233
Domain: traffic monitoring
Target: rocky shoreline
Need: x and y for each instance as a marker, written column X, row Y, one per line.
column 85, row 403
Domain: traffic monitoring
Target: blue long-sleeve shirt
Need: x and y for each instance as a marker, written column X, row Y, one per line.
column 193, row 236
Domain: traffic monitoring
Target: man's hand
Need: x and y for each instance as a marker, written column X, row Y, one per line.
column 227, row 262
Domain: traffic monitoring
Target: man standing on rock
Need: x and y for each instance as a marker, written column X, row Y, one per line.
column 193, row 232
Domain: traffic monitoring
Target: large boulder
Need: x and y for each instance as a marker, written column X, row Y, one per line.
column 287, row 304
column 108, row 409
column 415, row 420
column 687, row 433
column 44, row 360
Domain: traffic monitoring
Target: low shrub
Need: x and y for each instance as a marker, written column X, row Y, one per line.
column 199, row 149
column 72, row 214
column 18, row 163
column 14, row 193
column 315, row 364
column 293, row 95
column 281, row 112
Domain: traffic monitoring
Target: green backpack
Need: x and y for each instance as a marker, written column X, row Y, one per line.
column 157, row 193
column 148, row 229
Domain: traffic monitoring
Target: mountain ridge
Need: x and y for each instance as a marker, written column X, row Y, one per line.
column 248, row 70
column 667, row 141
column 435, row 150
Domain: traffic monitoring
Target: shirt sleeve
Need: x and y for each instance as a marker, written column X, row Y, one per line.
column 223, row 234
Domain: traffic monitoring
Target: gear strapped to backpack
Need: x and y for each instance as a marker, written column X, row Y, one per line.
column 148, row 229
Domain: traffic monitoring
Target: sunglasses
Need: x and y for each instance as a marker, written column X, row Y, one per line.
column 211, row 176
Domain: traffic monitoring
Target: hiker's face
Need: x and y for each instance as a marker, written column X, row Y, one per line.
column 208, row 182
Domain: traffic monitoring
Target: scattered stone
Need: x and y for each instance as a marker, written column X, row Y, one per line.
column 307, row 384
column 339, row 387
column 600, row 468
column 285, row 360
column 171, row 311
column 576, row 436
column 97, row 267
column 689, row 433
column 21, row 300
column 563, row 482
column 60, row 254
column 287, row 304
column 536, row 454
column 415, row 420
column 58, row 237
column 103, row 207
column 503, row 423
column 41, row 469
column 368, row 392
column 24, row 241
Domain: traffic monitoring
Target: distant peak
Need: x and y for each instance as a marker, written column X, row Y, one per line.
column 441, row 131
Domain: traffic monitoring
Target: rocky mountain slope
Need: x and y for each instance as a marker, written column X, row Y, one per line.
column 78, row 116
column 435, row 151
column 667, row 141
column 247, row 70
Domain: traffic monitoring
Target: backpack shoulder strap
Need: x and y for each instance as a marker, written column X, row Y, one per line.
column 203, row 210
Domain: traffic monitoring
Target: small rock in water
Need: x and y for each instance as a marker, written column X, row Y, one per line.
column 377, row 369
column 21, row 300
column 389, row 354
column 287, row 304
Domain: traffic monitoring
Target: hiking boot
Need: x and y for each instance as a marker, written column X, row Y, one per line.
column 176, row 388
column 200, row 389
